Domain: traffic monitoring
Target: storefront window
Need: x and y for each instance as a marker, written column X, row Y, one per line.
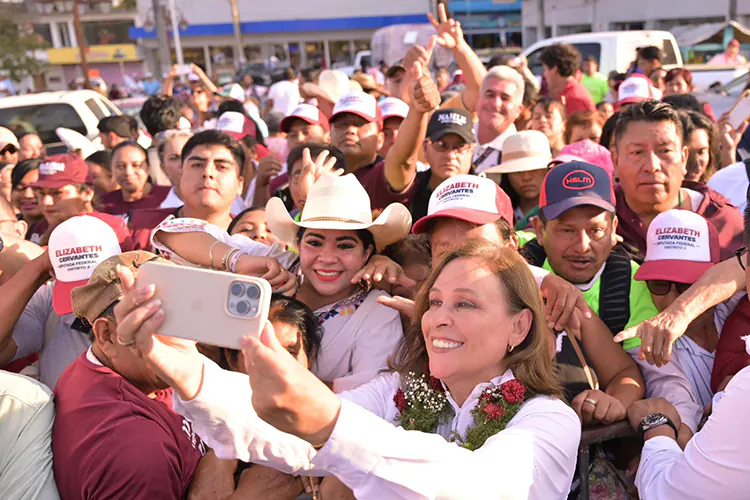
column 315, row 54
column 340, row 54
column 253, row 53
column 221, row 56
column 107, row 32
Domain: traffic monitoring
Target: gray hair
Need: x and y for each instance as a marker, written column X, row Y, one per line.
column 167, row 135
column 504, row 73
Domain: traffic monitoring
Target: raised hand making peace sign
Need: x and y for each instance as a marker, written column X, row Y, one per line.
column 450, row 34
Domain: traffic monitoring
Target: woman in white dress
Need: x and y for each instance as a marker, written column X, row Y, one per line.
column 335, row 238
column 490, row 424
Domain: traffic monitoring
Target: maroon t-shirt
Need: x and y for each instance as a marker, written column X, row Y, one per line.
column 576, row 98
column 37, row 230
column 372, row 178
column 110, row 440
column 113, row 203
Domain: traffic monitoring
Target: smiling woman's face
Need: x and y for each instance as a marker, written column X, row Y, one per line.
column 468, row 327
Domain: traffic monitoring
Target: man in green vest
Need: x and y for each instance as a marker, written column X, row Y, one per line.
column 576, row 240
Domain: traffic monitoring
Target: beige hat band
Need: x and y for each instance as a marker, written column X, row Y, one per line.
column 519, row 155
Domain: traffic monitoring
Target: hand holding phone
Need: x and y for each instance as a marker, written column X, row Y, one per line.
column 210, row 307
column 740, row 111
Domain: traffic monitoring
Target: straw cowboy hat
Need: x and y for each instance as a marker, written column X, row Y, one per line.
column 524, row 151
column 339, row 203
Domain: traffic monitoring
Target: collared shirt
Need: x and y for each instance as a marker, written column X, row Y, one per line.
column 714, row 464
column 714, row 207
column 172, row 200
column 532, row 458
column 490, row 153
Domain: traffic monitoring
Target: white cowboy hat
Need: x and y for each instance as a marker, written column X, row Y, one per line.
column 339, row 203
column 523, row 151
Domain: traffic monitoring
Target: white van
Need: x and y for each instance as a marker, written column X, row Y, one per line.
column 42, row 113
column 614, row 50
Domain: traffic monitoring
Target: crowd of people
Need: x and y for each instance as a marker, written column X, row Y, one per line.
column 468, row 275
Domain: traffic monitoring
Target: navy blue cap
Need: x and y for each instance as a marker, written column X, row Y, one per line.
column 574, row 184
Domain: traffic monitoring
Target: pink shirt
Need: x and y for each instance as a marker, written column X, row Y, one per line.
column 722, row 58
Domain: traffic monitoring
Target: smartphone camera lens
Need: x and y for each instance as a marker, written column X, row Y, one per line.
column 253, row 292
column 243, row 307
column 237, row 290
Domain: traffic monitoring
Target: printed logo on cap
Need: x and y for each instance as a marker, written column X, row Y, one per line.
column 357, row 102
column 462, row 193
column 78, row 245
column 578, row 180
column 453, row 118
column 51, row 168
column 680, row 242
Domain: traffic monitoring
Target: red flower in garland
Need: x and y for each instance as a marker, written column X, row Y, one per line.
column 513, row 391
column 486, row 397
column 400, row 400
column 494, row 411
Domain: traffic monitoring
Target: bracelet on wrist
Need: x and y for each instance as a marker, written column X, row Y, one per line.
column 232, row 266
column 225, row 260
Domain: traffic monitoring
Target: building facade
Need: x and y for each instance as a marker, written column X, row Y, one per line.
column 564, row 17
column 111, row 53
column 308, row 33
column 489, row 24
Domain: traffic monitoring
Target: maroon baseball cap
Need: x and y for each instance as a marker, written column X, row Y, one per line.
column 306, row 113
column 61, row 170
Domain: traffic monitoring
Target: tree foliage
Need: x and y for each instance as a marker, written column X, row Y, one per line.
column 18, row 44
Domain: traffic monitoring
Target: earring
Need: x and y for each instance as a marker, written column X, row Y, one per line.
column 510, row 348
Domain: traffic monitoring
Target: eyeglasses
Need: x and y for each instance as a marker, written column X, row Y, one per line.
column 739, row 253
column 662, row 287
column 442, row 147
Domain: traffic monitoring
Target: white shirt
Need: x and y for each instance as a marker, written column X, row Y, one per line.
column 172, row 200
column 732, row 182
column 285, row 96
column 715, row 463
column 26, row 416
column 491, row 159
column 533, row 458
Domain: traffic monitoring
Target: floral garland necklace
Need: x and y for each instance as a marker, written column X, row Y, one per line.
column 423, row 406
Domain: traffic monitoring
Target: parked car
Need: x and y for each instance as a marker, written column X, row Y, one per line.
column 363, row 57
column 614, row 50
column 79, row 110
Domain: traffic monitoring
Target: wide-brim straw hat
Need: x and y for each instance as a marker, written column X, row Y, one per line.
column 339, row 203
column 523, row 151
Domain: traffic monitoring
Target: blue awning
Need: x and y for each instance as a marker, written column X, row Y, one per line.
column 288, row 26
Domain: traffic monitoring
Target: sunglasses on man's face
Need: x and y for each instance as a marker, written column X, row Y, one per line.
column 662, row 287
column 9, row 149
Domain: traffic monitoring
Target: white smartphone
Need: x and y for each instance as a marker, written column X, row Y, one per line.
column 184, row 69
column 211, row 307
column 740, row 111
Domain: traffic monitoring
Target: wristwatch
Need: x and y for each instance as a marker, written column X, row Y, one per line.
column 653, row 420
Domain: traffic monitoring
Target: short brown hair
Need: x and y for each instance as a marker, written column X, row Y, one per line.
column 582, row 119
column 563, row 56
column 531, row 360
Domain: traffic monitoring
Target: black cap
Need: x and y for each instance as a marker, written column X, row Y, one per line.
column 573, row 184
column 122, row 125
column 451, row 121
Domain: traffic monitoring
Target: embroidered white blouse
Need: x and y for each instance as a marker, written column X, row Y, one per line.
column 533, row 458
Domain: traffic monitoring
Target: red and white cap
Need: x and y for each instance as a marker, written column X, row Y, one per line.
column 636, row 88
column 392, row 107
column 307, row 113
column 75, row 248
column 680, row 246
column 360, row 104
column 236, row 124
column 477, row 200
column 60, row 170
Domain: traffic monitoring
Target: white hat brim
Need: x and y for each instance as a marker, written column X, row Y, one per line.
column 520, row 165
column 392, row 225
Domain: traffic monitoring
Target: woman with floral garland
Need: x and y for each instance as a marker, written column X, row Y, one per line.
column 471, row 410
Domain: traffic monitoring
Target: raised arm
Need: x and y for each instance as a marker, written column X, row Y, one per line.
column 451, row 36
column 401, row 161
column 210, row 86
column 659, row 333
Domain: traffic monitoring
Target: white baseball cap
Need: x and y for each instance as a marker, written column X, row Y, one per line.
column 477, row 200
column 307, row 113
column 233, row 91
column 636, row 88
column 236, row 124
column 75, row 248
column 680, row 246
column 392, row 107
column 8, row 137
column 360, row 104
